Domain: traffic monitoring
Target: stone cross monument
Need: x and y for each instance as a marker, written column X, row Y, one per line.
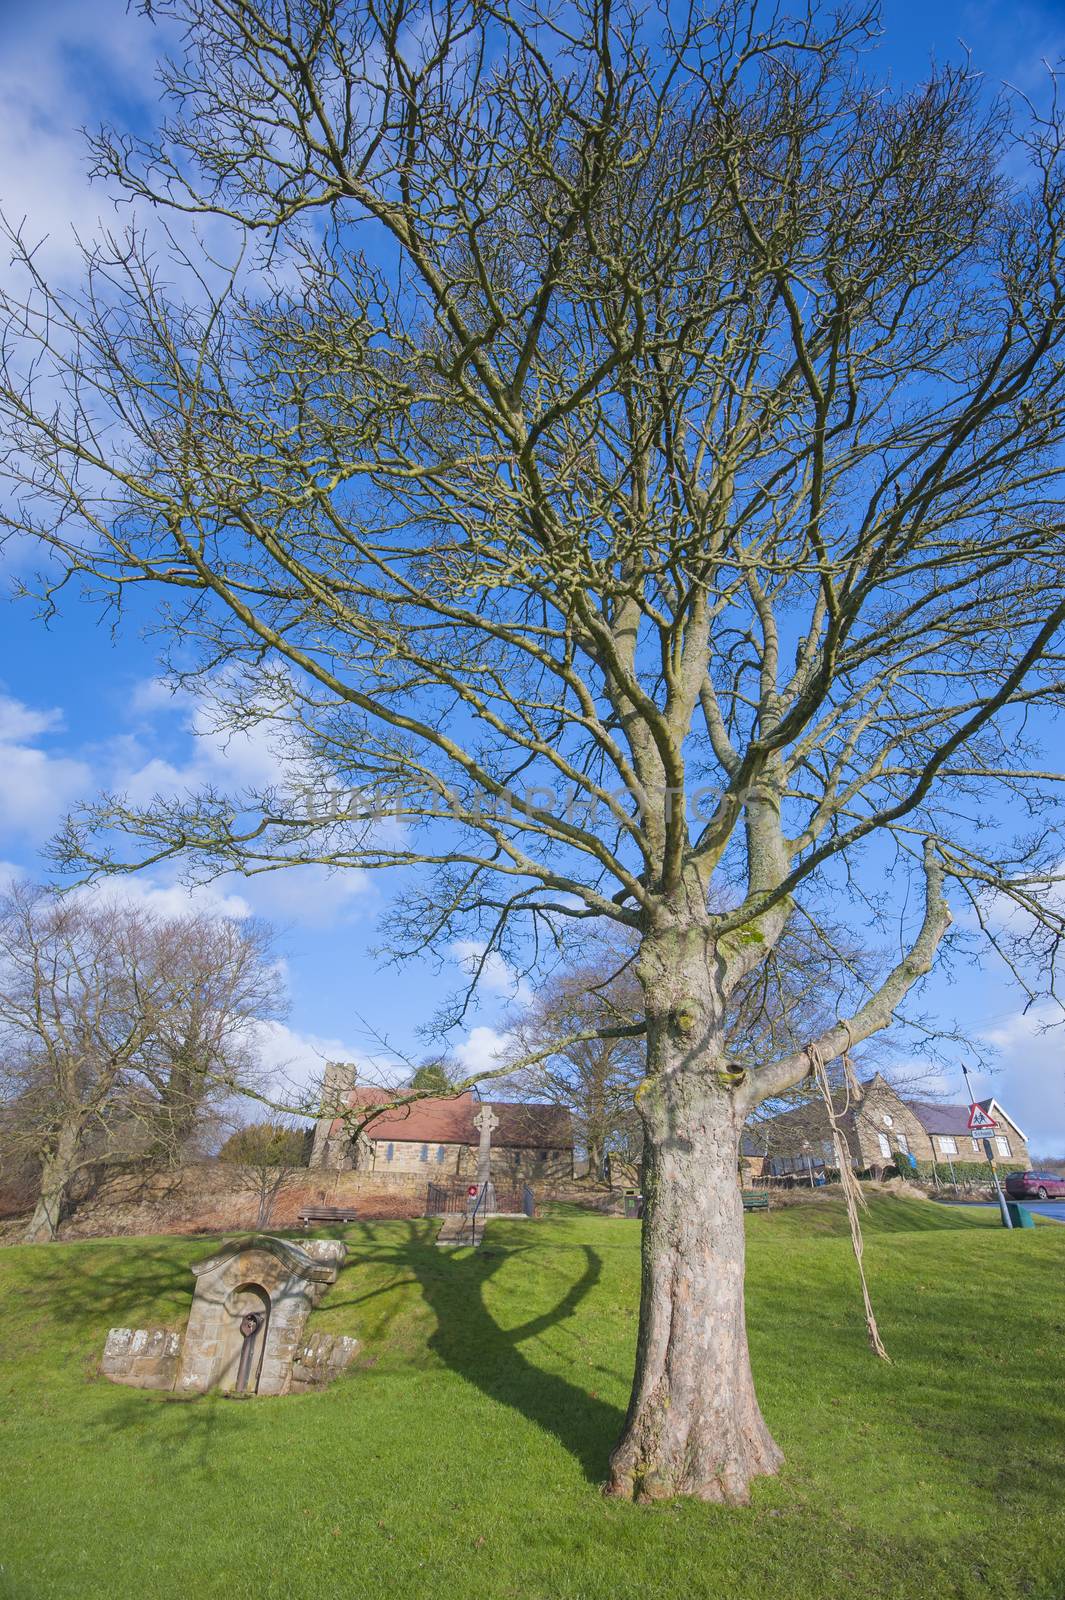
column 485, row 1121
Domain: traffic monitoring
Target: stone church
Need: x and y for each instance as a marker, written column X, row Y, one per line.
column 437, row 1139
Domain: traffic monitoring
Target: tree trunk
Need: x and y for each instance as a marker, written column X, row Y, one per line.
column 693, row 1425
column 57, row 1169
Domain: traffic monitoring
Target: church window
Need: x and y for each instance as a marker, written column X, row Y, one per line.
column 390, row 1151
column 425, row 1152
column 441, row 1153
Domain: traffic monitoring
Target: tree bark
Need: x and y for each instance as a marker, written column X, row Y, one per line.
column 693, row 1426
column 57, row 1169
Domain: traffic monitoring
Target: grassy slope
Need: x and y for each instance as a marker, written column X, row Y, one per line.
column 462, row 1460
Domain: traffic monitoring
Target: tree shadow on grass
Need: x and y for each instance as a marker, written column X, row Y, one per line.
column 469, row 1341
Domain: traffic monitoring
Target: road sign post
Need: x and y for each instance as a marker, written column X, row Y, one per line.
column 979, row 1123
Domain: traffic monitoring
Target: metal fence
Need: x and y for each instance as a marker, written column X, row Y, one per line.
column 448, row 1199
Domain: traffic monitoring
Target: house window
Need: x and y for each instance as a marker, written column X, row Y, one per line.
column 947, row 1146
column 885, row 1148
column 424, row 1153
column 977, row 1146
column 543, row 1155
column 1003, row 1146
column 903, row 1143
column 390, row 1152
column 441, row 1153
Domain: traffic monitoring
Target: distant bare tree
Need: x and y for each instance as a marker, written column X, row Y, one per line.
column 117, row 1028
column 645, row 473
column 266, row 1157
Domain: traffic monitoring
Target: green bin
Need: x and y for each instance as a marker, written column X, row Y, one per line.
column 1020, row 1216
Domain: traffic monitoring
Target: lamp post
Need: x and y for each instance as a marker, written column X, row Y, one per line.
column 1007, row 1221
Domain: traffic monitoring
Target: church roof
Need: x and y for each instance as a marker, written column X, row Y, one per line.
column 450, row 1120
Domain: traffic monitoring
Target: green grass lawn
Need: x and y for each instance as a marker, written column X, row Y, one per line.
column 462, row 1458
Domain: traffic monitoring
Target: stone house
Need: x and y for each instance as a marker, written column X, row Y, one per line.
column 947, row 1128
column 436, row 1139
column 879, row 1128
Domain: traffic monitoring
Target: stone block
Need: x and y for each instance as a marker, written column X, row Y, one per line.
column 321, row 1358
column 143, row 1358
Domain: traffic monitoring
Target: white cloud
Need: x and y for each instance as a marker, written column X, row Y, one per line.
column 19, row 722
column 1031, row 1082
column 9, row 875
column 61, row 64
column 494, row 975
column 296, row 1059
column 256, row 758
column 36, row 787
column 152, row 695
column 313, row 896
column 483, row 1050
column 169, row 899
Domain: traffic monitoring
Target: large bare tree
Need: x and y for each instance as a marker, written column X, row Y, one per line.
column 644, row 470
column 119, row 1029
column 590, row 1006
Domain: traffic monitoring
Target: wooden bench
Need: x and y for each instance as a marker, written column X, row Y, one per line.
column 755, row 1199
column 311, row 1214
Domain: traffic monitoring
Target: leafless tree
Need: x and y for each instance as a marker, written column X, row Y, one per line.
column 593, row 1073
column 648, row 455
column 789, row 997
column 111, row 1045
column 267, row 1157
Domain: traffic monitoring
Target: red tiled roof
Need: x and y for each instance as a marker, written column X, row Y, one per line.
column 449, row 1120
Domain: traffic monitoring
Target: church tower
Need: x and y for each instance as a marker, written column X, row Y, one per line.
column 337, row 1084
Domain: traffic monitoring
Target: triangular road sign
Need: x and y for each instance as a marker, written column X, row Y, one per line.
column 979, row 1121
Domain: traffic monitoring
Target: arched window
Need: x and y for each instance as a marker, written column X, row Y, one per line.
column 441, row 1153
column 390, row 1152
column 425, row 1152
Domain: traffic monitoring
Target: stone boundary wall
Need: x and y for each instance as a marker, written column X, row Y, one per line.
column 214, row 1196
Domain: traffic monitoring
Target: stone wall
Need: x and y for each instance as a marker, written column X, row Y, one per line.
column 443, row 1163
column 212, row 1197
column 145, row 1358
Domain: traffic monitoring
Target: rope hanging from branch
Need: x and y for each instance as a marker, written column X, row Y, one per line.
column 851, row 1188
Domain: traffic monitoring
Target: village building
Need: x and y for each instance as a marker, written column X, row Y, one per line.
column 438, row 1138
column 882, row 1129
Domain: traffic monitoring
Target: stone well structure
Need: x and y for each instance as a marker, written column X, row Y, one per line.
column 245, row 1332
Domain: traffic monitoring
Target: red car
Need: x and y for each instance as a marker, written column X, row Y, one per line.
column 1042, row 1185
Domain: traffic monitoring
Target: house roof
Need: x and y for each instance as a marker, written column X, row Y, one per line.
column 955, row 1119
column 933, row 1117
column 450, row 1120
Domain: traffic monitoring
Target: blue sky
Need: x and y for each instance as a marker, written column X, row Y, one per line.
column 82, row 710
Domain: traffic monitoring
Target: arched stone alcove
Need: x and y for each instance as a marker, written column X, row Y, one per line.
column 273, row 1278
